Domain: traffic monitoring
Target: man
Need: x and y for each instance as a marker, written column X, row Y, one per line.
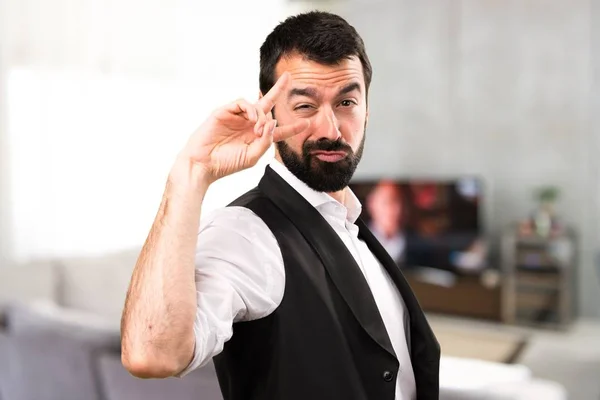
column 285, row 289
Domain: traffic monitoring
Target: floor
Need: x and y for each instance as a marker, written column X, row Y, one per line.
column 570, row 357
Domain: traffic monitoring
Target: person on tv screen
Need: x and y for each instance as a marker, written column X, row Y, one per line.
column 386, row 209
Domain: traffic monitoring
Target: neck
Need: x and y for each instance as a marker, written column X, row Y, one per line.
column 340, row 196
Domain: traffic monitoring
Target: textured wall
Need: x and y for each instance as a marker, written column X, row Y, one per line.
column 595, row 145
column 4, row 205
column 501, row 89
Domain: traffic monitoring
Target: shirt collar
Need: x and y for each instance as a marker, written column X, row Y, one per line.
column 317, row 199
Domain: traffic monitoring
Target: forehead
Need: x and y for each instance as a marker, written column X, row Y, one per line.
column 310, row 73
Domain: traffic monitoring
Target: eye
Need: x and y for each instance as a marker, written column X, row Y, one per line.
column 347, row 103
column 302, row 107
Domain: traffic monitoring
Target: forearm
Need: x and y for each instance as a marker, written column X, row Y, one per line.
column 158, row 319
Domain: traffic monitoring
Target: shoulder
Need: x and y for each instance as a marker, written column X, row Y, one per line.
column 235, row 246
column 237, row 232
column 237, row 219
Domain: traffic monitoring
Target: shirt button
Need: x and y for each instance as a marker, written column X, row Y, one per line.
column 388, row 376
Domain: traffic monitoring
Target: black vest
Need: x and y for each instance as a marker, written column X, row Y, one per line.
column 326, row 340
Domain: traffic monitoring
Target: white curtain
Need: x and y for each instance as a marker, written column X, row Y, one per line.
column 100, row 95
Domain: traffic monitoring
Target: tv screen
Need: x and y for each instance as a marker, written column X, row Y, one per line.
column 426, row 223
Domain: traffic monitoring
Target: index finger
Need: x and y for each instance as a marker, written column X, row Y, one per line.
column 267, row 102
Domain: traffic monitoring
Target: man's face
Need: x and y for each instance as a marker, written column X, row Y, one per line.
column 333, row 98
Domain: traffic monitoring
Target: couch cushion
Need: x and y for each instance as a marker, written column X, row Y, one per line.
column 118, row 384
column 4, row 362
column 50, row 366
column 27, row 282
column 56, row 348
column 97, row 284
column 38, row 318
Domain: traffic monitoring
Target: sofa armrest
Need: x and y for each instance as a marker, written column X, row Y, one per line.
column 118, row 384
column 4, row 362
column 466, row 379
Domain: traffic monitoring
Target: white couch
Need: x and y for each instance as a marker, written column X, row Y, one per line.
column 92, row 291
column 95, row 285
column 61, row 332
column 469, row 379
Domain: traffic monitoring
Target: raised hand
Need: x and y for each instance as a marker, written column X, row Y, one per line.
column 236, row 135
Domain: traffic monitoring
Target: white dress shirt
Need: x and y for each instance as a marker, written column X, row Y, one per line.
column 240, row 275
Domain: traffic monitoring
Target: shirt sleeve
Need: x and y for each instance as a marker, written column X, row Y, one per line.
column 239, row 277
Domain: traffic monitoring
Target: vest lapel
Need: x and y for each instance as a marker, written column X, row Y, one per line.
column 424, row 344
column 338, row 261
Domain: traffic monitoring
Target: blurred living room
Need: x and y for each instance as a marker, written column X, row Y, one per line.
column 480, row 176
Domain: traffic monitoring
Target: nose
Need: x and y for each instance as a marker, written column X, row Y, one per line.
column 327, row 125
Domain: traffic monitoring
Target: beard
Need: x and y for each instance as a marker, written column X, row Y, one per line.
column 319, row 175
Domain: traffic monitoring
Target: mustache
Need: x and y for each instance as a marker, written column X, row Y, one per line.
column 326, row 145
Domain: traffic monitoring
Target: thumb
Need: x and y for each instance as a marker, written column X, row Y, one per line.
column 260, row 146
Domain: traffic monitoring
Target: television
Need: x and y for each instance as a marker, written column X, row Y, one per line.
column 426, row 223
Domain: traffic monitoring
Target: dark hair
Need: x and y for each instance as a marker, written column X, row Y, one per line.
column 319, row 36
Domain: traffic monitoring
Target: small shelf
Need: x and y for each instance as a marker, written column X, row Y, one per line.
column 538, row 269
column 534, row 279
column 538, row 278
column 536, row 299
column 535, row 288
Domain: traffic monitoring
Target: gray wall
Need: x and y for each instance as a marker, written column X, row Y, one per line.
column 594, row 144
column 5, row 253
column 501, row 89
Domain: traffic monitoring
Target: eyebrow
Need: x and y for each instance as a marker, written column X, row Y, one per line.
column 350, row 88
column 312, row 93
column 306, row 92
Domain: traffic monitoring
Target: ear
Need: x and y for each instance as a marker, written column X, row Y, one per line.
column 367, row 117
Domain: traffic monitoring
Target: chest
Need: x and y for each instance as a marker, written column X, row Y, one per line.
column 382, row 287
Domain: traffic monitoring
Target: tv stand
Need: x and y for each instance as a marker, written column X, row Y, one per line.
column 475, row 295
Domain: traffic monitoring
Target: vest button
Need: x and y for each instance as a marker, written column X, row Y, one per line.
column 388, row 376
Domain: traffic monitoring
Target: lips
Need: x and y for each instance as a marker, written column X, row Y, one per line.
column 329, row 156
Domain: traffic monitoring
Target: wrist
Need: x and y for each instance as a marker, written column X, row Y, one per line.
column 190, row 175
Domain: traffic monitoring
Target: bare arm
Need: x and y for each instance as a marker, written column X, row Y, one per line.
column 157, row 326
column 157, row 323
